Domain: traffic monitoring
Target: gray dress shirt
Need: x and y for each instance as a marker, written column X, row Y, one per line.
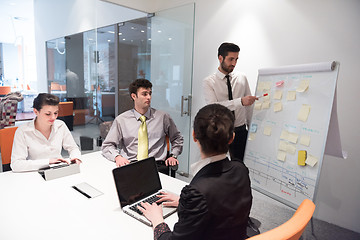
column 122, row 138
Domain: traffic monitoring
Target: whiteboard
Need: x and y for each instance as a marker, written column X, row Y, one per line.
column 282, row 125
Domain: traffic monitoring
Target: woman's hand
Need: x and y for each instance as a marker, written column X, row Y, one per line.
column 152, row 212
column 168, row 199
column 58, row 160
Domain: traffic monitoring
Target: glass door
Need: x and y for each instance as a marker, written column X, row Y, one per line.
column 172, row 40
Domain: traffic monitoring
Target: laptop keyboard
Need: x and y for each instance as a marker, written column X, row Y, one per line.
column 150, row 200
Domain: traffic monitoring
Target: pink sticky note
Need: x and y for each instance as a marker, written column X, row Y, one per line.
column 278, row 84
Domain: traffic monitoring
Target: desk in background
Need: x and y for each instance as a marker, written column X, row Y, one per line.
column 32, row 208
column 25, row 116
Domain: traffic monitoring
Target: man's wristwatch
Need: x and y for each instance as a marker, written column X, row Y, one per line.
column 173, row 155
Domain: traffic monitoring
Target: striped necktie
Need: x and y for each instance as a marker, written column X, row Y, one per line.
column 143, row 142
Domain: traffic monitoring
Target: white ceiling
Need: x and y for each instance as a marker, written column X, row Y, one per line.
column 16, row 20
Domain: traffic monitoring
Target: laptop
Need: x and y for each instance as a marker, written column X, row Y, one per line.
column 137, row 182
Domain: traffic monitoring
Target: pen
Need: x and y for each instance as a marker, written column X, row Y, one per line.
column 265, row 94
column 82, row 192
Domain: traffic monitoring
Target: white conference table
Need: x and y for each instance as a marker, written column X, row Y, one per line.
column 32, row 208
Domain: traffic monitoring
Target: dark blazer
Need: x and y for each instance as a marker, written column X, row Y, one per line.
column 215, row 205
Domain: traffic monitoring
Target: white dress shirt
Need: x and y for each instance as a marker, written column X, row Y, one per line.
column 32, row 151
column 122, row 138
column 216, row 91
column 196, row 167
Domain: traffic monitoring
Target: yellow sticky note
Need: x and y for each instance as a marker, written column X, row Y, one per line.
column 311, row 160
column 267, row 85
column 251, row 136
column 267, row 130
column 284, row 135
column 277, row 107
column 304, row 112
column 260, row 86
column 305, row 140
column 291, row 96
column 258, row 105
column 281, row 156
column 282, row 145
column 290, row 148
column 293, row 137
column 303, row 86
column 265, row 105
column 278, row 94
column 301, row 157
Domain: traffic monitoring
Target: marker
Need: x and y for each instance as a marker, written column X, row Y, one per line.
column 265, row 94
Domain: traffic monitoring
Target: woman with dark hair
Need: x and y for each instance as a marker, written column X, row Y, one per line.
column 216, row 204
column 39, row 143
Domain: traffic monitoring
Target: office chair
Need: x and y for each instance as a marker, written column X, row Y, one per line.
column 293, row 228
column 172, row 169
column 6, row 143
column 66, row 114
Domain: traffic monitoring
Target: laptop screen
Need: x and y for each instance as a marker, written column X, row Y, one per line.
column 136, row 181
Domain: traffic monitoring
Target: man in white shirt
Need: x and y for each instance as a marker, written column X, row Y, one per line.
column 234, row 95
column 232, row 90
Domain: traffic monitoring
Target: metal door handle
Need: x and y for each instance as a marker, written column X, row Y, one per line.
column 188, row 105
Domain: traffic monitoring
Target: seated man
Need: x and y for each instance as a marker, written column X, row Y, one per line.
column 141, row 132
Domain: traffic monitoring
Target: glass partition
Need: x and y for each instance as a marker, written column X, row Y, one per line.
column 134, row 57
column 94, row 68
column 172, row 37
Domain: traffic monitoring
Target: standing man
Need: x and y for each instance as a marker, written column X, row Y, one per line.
column 141, row 132
column 231, row 90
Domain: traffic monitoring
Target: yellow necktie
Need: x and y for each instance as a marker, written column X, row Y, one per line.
column 142, row 140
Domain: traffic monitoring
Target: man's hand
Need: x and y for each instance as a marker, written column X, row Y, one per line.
column 168, row 199
column 248, row 100
column 171, row 161
column 121, row 161
column 76, row 160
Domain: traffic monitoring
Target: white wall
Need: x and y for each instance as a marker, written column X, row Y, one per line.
column 55, row 19
column 282, row 32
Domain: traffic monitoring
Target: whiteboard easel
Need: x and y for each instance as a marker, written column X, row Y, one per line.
column 285, row 180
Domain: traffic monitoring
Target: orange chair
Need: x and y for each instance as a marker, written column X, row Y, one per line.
column 4, row 90
column 174, row 168
column 293, row 228
column 6, row 142
column 66, row 113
